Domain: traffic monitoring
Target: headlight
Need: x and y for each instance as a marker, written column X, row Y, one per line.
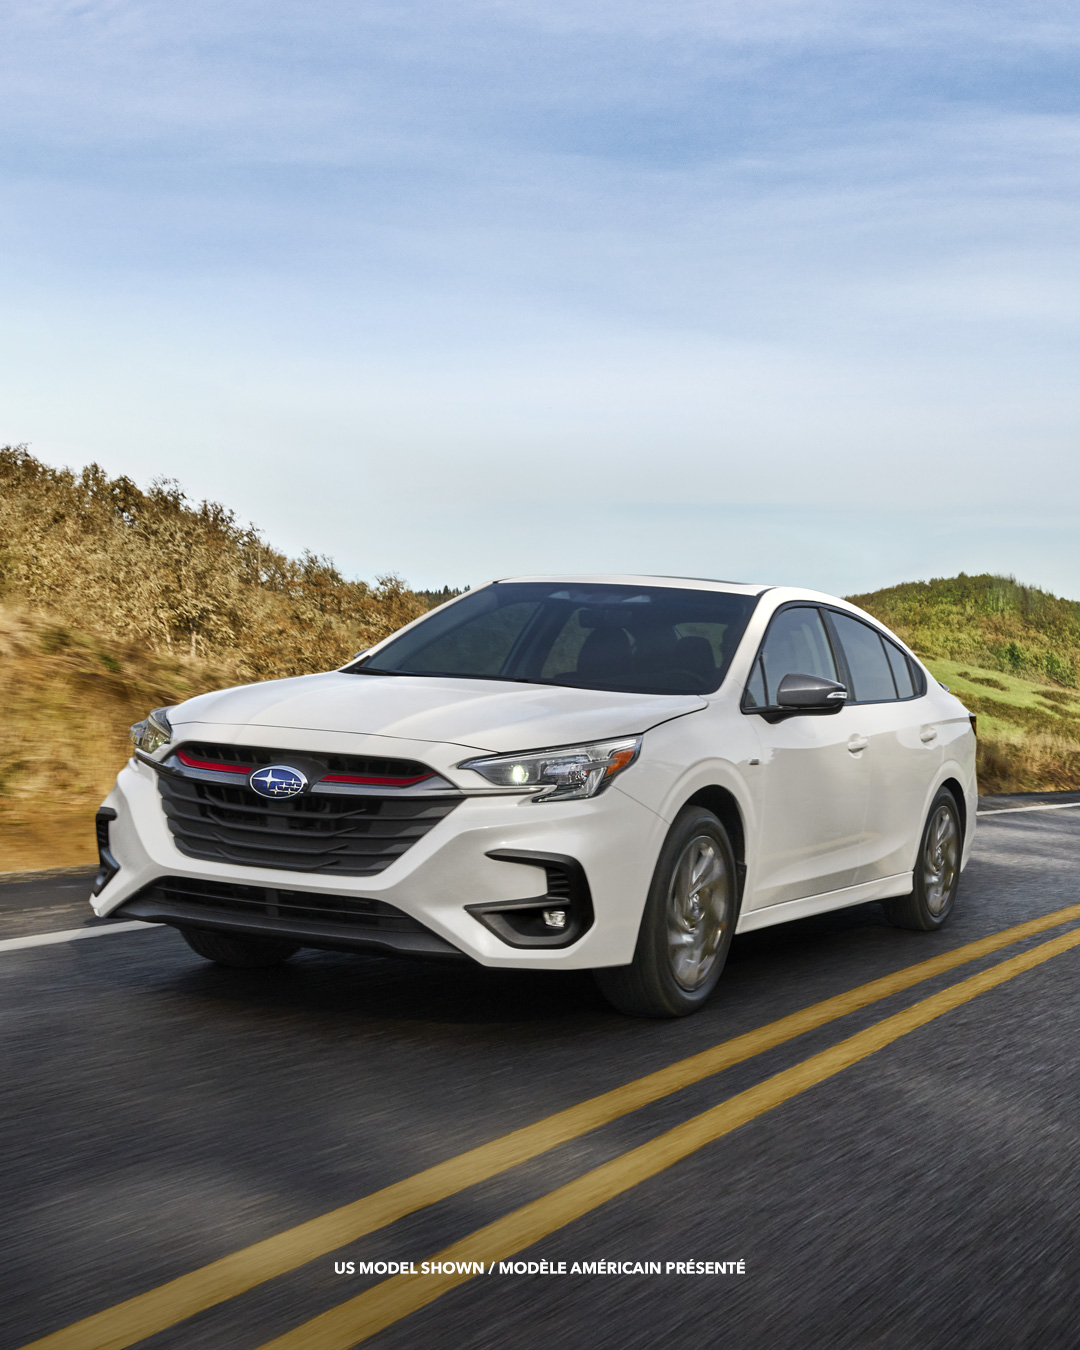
column 152, row 732
column 563, row 773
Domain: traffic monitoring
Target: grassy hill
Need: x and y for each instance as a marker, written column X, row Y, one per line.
column 69, row 697
column 154, row 569
column 114, row 600
column 1011, row 653
column 990, row 621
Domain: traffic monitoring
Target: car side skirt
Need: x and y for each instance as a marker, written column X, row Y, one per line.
column 883, row 888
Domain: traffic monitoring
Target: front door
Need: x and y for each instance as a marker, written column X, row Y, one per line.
column 815, row 774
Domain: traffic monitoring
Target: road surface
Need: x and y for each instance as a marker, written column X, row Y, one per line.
column 899, row 1169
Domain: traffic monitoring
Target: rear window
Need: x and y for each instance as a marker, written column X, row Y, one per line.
column 901, row 669
column 639, row 639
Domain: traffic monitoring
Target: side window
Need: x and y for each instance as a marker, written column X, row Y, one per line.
column 871, row 674
column 905, row 685
column 796, row 644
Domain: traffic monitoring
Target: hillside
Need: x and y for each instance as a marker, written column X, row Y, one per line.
column 1012, row 654
column 114, row 600
column 992, row 622
column 173, row 576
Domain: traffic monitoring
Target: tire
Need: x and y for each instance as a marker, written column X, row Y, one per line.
column 687, row 926
column 245, row 953
column 937, row 870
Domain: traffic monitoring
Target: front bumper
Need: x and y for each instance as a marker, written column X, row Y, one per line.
column 436, row 883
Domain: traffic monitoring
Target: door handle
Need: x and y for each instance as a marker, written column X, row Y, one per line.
column 857, row 743
column 930, row 734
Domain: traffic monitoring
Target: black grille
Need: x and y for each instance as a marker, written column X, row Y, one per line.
column 256, row 757
column 266, row 902
column 559, row 885
column 346, row 835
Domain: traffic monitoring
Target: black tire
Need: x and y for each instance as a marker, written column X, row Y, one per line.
column 245, row 953
column 937, row 870
column 678, row 960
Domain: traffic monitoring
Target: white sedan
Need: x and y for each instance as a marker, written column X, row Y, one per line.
column 613, row 773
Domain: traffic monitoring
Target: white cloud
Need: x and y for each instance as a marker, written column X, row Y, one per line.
column 549, row 262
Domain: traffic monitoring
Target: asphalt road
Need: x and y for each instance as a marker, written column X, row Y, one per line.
column 160, row 1113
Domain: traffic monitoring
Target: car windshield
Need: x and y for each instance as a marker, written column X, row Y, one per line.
column 636, row 639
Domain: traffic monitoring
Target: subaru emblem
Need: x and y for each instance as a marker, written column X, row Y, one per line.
column 277, row 781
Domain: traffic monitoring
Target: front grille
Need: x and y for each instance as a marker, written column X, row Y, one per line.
column 225, row 898
column 342, row 834
column 248, row 757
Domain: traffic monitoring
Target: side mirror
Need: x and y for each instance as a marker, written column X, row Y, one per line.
column 810, row 694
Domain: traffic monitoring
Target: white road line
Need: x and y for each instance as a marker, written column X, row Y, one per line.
column 71, row 934
column 1012, row 810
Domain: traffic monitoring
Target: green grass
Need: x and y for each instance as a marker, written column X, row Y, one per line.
column 986, row 624
column 1008, row 704
column 1029, row 732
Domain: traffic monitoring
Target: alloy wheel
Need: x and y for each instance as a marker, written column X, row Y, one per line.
column 698, row 911
column 941, row 859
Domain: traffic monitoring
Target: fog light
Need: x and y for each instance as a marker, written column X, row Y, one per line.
column 555, row 918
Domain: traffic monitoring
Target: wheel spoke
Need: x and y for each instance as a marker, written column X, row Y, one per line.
column 940, row 859
column 698, row 911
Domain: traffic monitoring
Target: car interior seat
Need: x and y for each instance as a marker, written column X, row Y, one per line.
column 695, row 654
column 604, row 655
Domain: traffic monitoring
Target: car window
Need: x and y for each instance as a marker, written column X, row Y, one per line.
column 641, row 639
column 482, row 643
column 871, row 675
column 646, row 646
column 796, row 644
column 713, row 633
column 566, row 648
column 905, row 685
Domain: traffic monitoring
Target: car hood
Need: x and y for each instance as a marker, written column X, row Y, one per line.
column 477, row 714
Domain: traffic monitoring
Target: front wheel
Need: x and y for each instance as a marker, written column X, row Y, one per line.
column 687, row 926
column 937, row 870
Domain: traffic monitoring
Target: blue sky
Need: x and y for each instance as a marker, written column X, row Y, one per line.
column 778, row 291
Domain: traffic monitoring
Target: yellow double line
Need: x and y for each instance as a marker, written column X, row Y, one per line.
column 353, row 1321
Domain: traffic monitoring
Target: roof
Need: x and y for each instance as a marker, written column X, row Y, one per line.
column 632, row 579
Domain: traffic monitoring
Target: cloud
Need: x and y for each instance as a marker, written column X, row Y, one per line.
column 469, row 256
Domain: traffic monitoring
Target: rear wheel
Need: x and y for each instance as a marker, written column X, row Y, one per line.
column 247, row 953
column 687, row 925
column 937, row 870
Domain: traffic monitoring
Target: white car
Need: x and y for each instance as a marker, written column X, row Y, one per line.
column 613, row 773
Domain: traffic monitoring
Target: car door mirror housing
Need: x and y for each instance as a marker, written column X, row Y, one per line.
column 810, row 694
column 803, row 695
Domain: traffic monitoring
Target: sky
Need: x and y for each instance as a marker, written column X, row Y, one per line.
column 765, row 290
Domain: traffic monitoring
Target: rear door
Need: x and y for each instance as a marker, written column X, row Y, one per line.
column 814, row 780
column 903, row 751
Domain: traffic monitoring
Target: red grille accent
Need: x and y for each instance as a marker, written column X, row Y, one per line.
column 216, row 765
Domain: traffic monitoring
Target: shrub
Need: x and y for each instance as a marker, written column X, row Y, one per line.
column 153, row 567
